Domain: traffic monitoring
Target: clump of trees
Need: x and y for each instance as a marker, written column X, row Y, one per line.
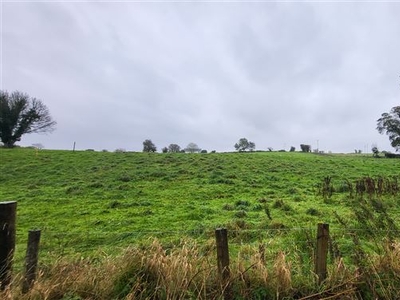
column 389, row 123
column 21, row 114
column 243, row 145
column 148, row 146
column 172, row 148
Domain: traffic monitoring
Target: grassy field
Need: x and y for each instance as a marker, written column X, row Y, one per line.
column 88, row 202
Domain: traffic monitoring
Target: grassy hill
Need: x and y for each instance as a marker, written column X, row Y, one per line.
column 85, row 202
column 103, row 196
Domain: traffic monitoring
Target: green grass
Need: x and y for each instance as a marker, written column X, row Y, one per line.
column 89, row 201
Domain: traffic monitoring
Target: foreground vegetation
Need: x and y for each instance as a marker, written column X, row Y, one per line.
column 100, row 214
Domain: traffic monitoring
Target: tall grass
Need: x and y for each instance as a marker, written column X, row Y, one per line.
column 188, row 271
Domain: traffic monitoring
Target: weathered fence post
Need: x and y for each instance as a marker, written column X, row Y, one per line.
column 322, row 252
column 221, row 235
column 31, row 260
column 7, row 241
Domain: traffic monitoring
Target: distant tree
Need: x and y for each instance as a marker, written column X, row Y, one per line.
column 174, row 148
column 270, row 149
column 391, row 155
column 252, row 146
column 375, row 151
column 148, row 146
column 292, row 149
column 243, row 144
column 164, row 150
column 38, row 146
column 21, row 114
column 192, row 148
column 305, row 148
column 389, row 123
column 203, row 151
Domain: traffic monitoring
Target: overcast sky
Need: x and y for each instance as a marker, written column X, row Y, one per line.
column 277, row 73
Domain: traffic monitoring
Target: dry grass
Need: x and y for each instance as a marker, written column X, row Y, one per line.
column 189, row 271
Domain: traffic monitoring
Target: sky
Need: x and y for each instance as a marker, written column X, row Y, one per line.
column 279, row 73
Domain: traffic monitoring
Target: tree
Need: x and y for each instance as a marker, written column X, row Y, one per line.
column 164, row 150
column 243, row 144
column 252, row 146
column 174, row 148
column 375, row 151
column 305, row 148
column 21, row 114
column 389, row 123
column 192, row 148
column 148, row 146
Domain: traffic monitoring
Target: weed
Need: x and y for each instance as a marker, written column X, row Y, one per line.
column 313, row 212
column 228, row 207
column 242, row 203
column 240, row 214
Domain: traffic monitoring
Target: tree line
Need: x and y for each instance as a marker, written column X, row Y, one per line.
column 21, row 114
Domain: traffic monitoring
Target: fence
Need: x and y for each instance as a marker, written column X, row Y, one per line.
column 7, row 242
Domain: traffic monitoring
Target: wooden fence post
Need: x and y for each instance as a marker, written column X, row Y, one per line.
column 322, row 252
column 31, row 260
column 221, row 235
column 7, row 241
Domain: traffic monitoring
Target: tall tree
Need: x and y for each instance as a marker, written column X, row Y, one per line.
column 21, row 114
column 148, row 146
column 389, row 123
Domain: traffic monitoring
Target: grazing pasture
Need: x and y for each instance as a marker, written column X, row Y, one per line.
column 95, row 204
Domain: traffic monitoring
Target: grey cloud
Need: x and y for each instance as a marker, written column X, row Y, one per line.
column 114, row 74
